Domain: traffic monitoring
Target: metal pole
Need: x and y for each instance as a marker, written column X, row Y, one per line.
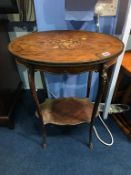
column 114, row 76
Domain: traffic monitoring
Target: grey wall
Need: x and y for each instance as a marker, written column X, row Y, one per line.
column 122, row 9
column 80, row 5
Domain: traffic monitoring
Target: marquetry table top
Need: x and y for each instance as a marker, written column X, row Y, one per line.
column 66, row 47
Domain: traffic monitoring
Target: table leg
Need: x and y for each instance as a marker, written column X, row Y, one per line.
column 35, row 97
column 89, row 83
column 44, row 83
column 102, row 82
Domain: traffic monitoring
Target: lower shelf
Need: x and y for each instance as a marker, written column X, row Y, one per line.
column 66, row 111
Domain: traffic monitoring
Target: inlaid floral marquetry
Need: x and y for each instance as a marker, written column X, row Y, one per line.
column 64, row 44
column 65, row 47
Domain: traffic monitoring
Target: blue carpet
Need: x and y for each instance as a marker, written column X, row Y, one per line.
column 67, row 152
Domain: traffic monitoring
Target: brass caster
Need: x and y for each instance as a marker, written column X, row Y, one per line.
column 90, row 145
column 44, row 146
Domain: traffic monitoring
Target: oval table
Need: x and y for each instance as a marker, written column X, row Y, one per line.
column 67, row 52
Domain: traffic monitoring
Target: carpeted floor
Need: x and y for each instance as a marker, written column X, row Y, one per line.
column 67, row 152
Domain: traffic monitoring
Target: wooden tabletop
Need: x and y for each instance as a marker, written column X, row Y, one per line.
column 66, row 47
column 126, row 63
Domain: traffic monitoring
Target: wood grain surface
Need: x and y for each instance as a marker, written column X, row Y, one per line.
column 126, row 63
column 66, row 47
column 67, row 111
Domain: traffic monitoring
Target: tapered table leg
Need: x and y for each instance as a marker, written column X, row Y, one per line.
column 35, row 97
column 89, row 83
column 44, row 83
column 102, row 82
